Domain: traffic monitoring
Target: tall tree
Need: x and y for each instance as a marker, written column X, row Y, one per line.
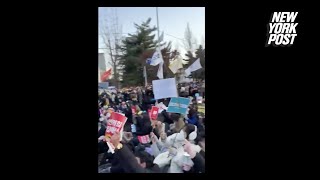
column 134, row 49
column 111, row 34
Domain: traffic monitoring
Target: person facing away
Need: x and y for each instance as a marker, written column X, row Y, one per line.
column 137, row 162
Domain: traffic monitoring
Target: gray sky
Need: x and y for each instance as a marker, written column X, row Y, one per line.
column 172, row 20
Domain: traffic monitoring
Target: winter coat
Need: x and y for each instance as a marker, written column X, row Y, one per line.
column 193, row 120
column 130, row 164
column 199, row 163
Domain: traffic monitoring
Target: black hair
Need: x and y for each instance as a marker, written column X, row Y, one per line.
column 189, row 128
column 192, row 112
column 200, row 136
column 145, row 157
column 175, row 117
column 160, row 117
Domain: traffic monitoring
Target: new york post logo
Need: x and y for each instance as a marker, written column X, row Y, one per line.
column 282, row 29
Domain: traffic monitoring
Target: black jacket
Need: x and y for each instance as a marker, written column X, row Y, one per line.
column 199, row 163
column 130, row 164
column 102, row 131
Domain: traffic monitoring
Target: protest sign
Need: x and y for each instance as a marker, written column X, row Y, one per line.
column 164, row 88
column 144, row 139
column 115, row 123
column 134, row 109
column 199, row 99
column 178, row 105
column 154, row 113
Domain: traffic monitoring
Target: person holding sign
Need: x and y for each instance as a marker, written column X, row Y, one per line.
column 140, row 162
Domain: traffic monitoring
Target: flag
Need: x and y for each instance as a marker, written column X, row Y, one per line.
column 160, row 71
column 187, row 72
column 156, row 58
column 106, row 75
column 176, row 65
column 193, row 67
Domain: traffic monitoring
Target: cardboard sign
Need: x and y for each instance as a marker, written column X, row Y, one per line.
column 115, row 123
column 144, row 139
column 154, row 113
column 164, row 88
column 178, row 105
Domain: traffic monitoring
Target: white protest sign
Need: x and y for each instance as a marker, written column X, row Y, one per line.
column 164, row 88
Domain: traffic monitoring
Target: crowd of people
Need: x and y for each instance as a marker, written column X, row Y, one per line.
column 177, row 141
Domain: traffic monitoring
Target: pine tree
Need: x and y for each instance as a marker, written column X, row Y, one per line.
column 137, row 48
column 134, row 47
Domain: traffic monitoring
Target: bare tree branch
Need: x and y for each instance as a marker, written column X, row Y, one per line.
column 111, row 35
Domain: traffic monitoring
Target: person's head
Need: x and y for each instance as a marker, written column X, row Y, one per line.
column 175, row 117
column 189, row 128
column 192, row 112
column 144, row 159
column 160, row 117
column 123, row 103
column 143, row 120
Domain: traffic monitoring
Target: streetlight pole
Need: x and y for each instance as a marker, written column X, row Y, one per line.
column 158, row 27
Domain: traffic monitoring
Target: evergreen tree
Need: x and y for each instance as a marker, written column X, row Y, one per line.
column 136, row 49
column 133, row 50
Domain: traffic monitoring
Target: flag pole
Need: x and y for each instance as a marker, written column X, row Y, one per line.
column 145, row 76
column 158, row 38
column 158, row 27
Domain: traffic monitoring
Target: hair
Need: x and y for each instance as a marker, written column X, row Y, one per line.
column 144, row 120
column 189, row 128
column 175, row 117
column 180, row 124
column 200, row 136
column 145, row 157
column 192, row 112
column 160, row 117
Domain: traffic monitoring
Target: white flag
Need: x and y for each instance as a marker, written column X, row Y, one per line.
column 176, row 65
column 156, row 58
column 193, row 67
column 160, row 71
